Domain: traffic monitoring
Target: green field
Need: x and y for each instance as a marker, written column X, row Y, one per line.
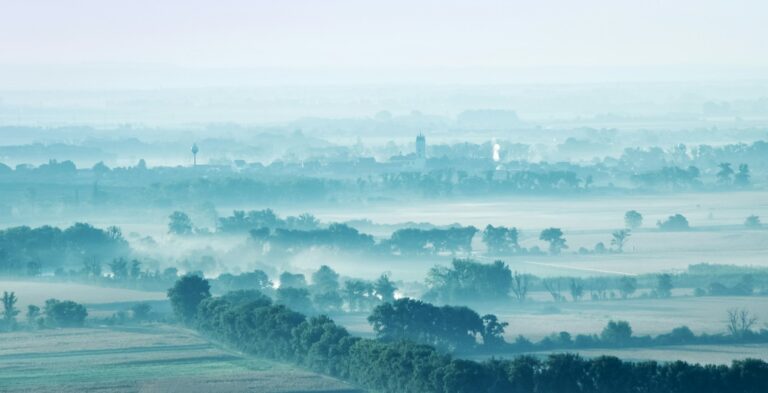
column 157, row 358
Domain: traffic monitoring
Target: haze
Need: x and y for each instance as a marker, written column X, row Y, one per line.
column 395, row 197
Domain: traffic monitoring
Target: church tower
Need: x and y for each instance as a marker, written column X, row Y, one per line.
column 421, row 146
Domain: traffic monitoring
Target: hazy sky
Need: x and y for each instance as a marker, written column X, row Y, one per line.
column 402, row 33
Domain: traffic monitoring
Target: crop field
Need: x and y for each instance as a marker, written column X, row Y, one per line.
column 154, row 358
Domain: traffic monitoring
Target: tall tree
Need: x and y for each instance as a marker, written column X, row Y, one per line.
column 33, row 313
column 9, row 309
column 179, row 223
column 554, row 287
column 627, row 286
column 664, row 285
column 520, row 286
column 384, row 288
column 500, row 240
column 493, row 330
column 119, row 268
column 725, row 174
column 553, row 236
column 576, row 289
column 325, row 280
column 633, row 219
column 741, row 179
column 617, row 333
column 186, row 294
column 619, row 238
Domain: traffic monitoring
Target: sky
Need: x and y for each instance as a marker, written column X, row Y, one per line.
column 78, row 35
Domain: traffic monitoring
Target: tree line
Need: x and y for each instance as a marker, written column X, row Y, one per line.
column 254, row 325
column 55, row 313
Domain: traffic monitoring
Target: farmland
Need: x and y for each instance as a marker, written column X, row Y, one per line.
column 153, row 358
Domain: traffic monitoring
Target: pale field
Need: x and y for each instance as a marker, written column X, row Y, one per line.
column 717, row 235
column 36, row 292
column 143, row 359
column 572, row 212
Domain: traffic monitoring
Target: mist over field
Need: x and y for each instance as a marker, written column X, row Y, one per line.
column 338, row 196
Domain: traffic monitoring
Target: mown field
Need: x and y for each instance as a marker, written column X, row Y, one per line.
column 156, row 358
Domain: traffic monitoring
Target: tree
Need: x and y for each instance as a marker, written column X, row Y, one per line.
column 65, row 313
column 9, row 309
column 325, row 280
column 290, row 280
column 554, row 287
column 554, row 236
column 617, row 333
column 725, row 174
column 33, row 312
column 500, row 240
column 359, row 294
column 469, row 280
column 245, row 296
column 664, row 285
column 627, row 286
column 384, row 288
column 493, row 330
column 92, row 268
column 328, row 301
column 447, row 327
column 740, row 322
column 619, row 238
column 140, row 311
column 753, row 222
column 294, row 298
column 186, row 294
column 119, row 268
column 678, row 222
column 519, row 286
column 742, row 178
column 100, row 169
column 135, row 270
column 599, row 288
column 576, row 289
column 633, row 219
column 179, row 223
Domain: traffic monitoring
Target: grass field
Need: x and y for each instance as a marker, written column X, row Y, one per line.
column 155, row 358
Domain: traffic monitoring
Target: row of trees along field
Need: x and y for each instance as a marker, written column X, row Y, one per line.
column 250, row 322
column 33, row 251
column 297, row 233
column 55, row 313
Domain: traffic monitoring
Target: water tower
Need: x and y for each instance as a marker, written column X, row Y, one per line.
column 194, row 154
